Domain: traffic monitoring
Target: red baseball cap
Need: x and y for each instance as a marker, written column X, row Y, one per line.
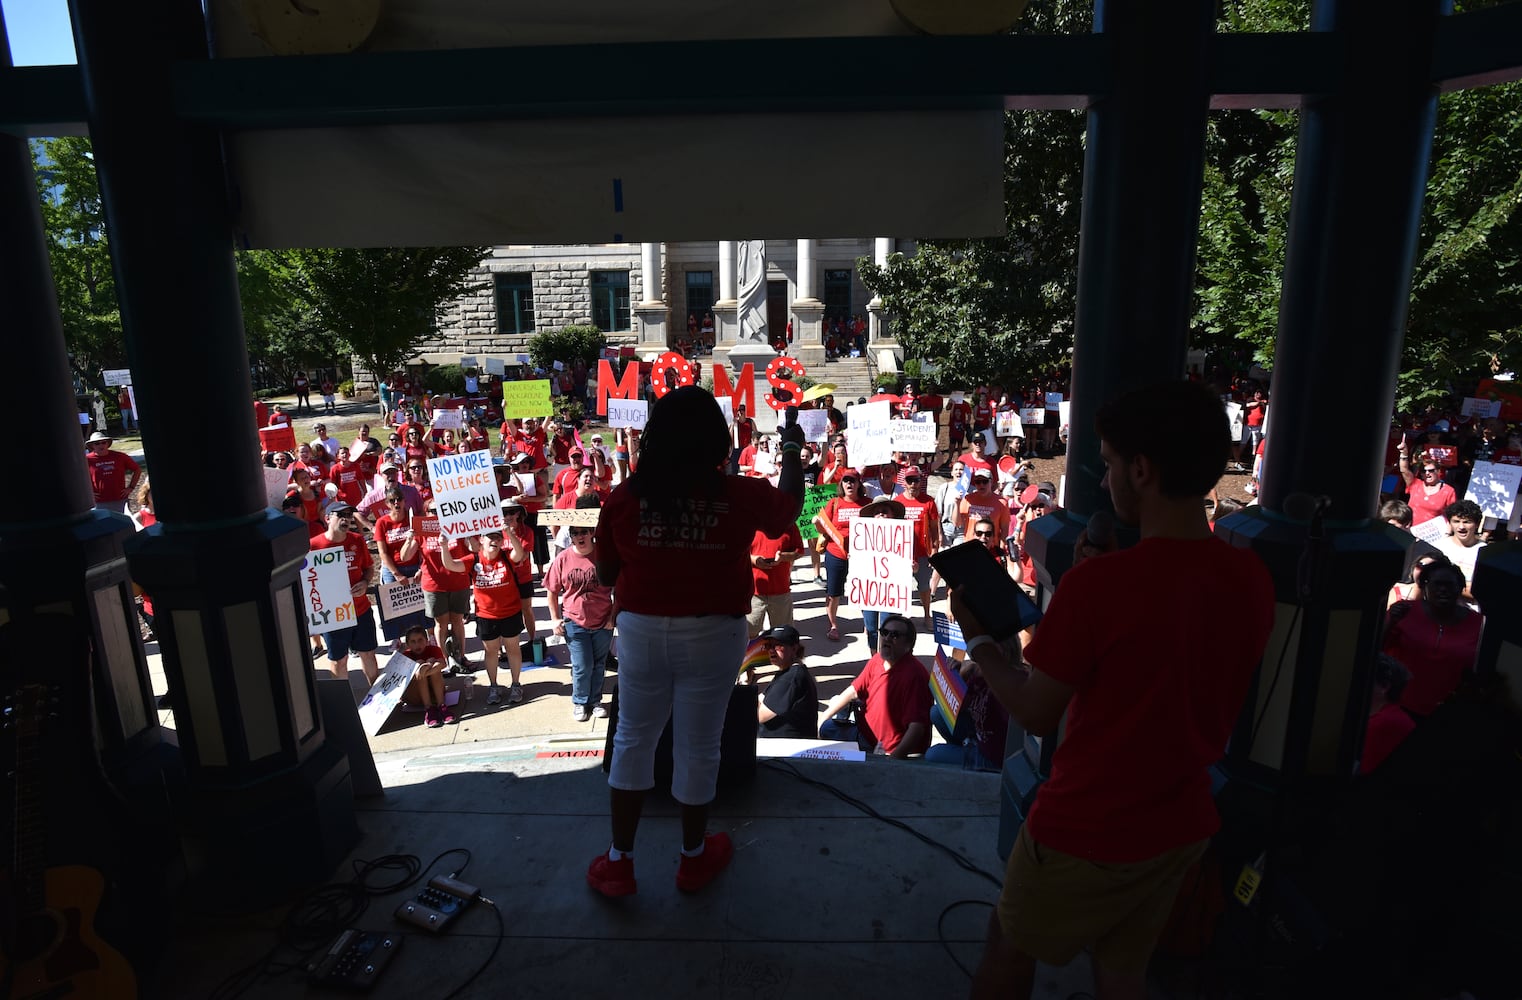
column 851, row 474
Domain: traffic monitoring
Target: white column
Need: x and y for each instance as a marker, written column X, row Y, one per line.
column 728, row 291
column 807, row 251
column 881, row 249
column 650, row 271
column 877, row 325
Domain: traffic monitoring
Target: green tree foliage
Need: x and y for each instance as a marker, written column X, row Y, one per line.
column 1002, row 309
column 280, row 324
column 566, row 344
column 80, row 255
column 382, row 302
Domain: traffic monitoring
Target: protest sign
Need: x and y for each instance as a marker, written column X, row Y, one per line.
column 1032, row 414
column 386, row 693
column 1472, row 407
column 117, row 376
column 528, row 483
column 1053, row 400
column 526, row 399
column 814, row 499
column 763, row 464
column 1494, row 487
column 1445, row 455
column 448, row 420
column 727, row 407
column 275, row 483
column 815, row 424
column 1234, row 418
column 812, row 749
column 914, row 436
column 468, row 361
column 628, row 412
column 281, row 438
column 358, row 448
column 325, row 578
column 947, row 632
column 585, row 517
column 1065, row 413
column 1432, row 530
column 1007, row 423
column 868, row 436
column 494, row 366
column 990, row 442
column 465, row 494
column 881, row 574
column 947, row 685
column 401, row 597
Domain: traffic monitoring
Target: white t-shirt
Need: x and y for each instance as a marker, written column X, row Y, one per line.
column 1462, row 556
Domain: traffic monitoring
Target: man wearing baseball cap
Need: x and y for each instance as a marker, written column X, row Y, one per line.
column 789, row 708
column 359, row 637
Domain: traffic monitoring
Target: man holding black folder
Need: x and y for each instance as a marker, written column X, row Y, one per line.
column 1127, row 809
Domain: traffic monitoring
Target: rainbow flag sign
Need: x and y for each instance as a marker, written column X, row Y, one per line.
column 756, row 656
column 947, row 684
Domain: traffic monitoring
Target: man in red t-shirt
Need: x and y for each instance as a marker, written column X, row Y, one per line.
column 894, row 689
column 771, row 562
column 113, row 474
column 1112, row 833
column 359, row 637
column 922, row 510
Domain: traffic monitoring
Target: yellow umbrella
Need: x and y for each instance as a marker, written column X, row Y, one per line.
column 819, row 391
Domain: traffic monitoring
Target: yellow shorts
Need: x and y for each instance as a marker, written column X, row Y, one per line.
column 1054, row 905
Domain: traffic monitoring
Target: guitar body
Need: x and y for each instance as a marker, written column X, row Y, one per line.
column 59, row 953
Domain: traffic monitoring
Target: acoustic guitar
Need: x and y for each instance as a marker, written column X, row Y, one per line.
column 51, row 945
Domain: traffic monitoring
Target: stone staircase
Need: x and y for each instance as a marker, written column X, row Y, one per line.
column 852, row 378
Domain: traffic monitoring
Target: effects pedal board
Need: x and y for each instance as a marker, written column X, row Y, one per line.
column 355, row 960
column 439, row 903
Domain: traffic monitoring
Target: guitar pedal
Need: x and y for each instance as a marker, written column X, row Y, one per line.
column 439, row 903
column 355, row 960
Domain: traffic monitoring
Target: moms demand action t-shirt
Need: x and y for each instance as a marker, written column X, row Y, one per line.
column 697, row 560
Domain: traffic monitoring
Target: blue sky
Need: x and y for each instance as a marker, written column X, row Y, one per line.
column 39, row 32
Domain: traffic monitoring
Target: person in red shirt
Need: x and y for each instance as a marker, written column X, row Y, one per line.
column 278, row 416
column 958, row 416
column 586, row 486
column 499, row 610
column 921, row 509
column 834, row 524
column 1101, row 856
column 982, row 502
column 113, row 474
column 1431, row 495
column 674, row 542
column 771, row 560
column 1437, row 638
column 327, row 395
column 359, row 637
column 400, row 556
column 894, row 689
column 516, row 517
column 740, row 436
column 416, row 476
column 311, row 501
column 415, row 445
column 427, row 685
column 347, row 477
column 1388, row 724
column 476, row 436
column 446, row 595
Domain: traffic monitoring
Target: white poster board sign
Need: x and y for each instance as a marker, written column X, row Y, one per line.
column 868, row 437
column 881, row 575
column 325, row 580
column 1065, row 414
column 764, row 465
column 1494, row 487
column 1007, row 423
column 917, row 435
column 401, row 597
column 465, row 494
column 576, row 517
column 628, row 412
column 494, row 366
column 990, row 443
column 815, row 424
column 958, row 398
column 1431, row 531
column 275, row 483
column 1473, row 407
column 386, row 693
column 1033, row 415
column 117, row 376
column 726, row 406
column 447, row 420
column 1234, row 418
column 468, row 361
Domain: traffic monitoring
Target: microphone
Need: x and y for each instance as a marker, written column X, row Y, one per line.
column 1101, row 529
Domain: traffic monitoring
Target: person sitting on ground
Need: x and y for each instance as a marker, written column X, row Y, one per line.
column 976, row 742
column 1388, row 725
column 427, row 685
column 1437, row 638
column 894, row 691
column 499, row 610
column 788, row 709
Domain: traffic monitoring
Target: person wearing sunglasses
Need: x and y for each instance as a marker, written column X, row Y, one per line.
column 359, row 637
column 1429, row 496
column 583, row 610
column 981, row 501
column 922, row 510
column 894, row 694
column 499, row 609
column 401, row 559
column 834, row 525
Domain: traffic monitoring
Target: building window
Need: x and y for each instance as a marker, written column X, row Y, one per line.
column 515, row 302
column 837, row 294
column 610, row 300
column 699, row 294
